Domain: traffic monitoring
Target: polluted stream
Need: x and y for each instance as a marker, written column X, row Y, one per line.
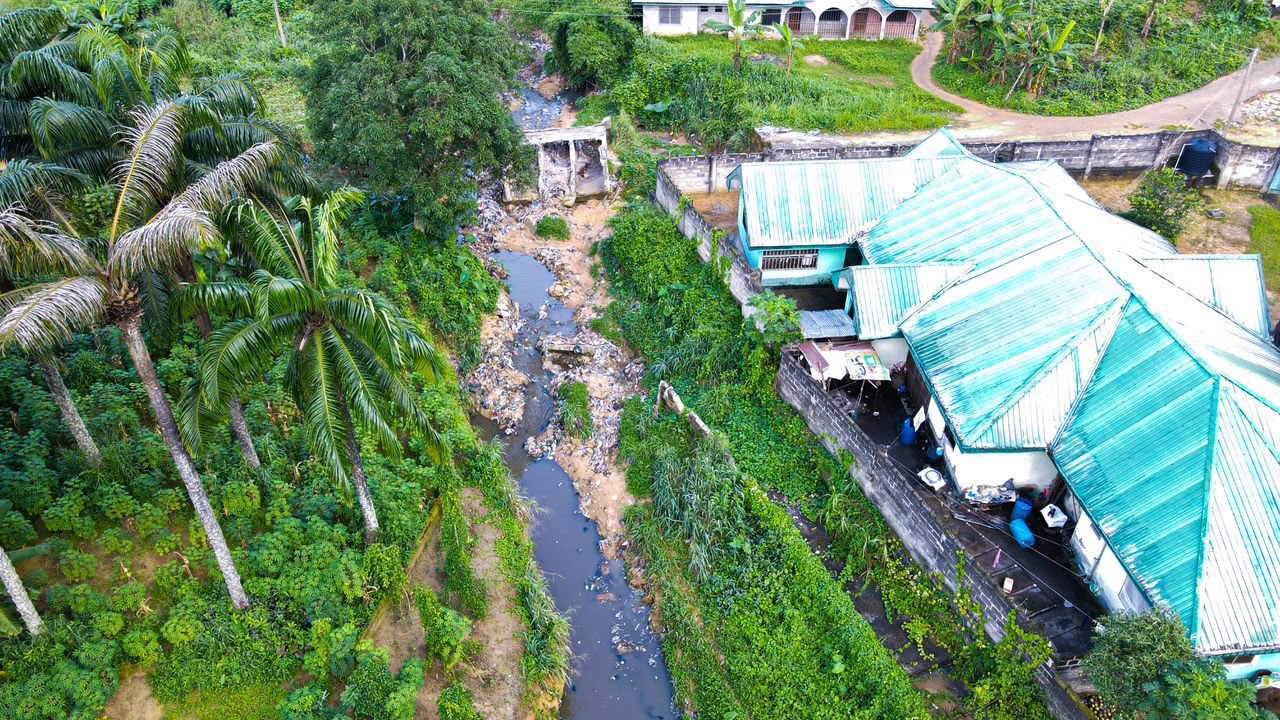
column 619, row 672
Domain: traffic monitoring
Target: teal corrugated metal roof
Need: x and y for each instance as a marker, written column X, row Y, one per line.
column 826, row 324
column 885, row 294
column 939, row 144
column 811, row 204
column 1231, row 283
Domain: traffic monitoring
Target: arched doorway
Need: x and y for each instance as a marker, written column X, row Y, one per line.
column 900, row 24
column 865, row 25
column 833, row 24
column 801, row 21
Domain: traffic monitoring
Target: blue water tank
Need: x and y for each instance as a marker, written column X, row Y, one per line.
column 1021, row 533
column 1197, row 157
column 908, row 432
column 1022, row 509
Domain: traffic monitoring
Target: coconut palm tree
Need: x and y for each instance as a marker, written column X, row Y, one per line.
column 159, row 216
column 740, row 27
column 790, row 43
column 350, row 352
column 18, row 593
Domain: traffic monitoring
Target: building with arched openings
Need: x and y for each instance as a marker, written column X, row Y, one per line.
column 828, row 20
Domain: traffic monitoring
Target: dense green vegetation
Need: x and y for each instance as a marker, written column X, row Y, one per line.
column 162, row 291
column 1144, row 667
column 575, row 410
column 690, row 85
column 553, row 226
column 1060, row 57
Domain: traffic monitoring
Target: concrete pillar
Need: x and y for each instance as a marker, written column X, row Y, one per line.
column 1088, row 160
column 573, row 169
column 711, row 173
column 884, row 21
column 915, row 31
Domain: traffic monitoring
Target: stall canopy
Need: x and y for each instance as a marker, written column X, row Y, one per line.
column 841, row 360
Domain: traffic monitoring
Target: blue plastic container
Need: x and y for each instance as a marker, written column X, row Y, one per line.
column 908, row 432
column 1022, row 509
column 1021, row 533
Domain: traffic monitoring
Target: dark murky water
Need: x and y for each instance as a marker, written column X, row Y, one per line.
column 619, row 671
column 537, row 112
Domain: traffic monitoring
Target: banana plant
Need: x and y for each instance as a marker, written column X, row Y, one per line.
column 741, row 26
column 790, row 43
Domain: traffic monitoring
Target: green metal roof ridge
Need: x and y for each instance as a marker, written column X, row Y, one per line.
column 1075, row 402
column 1256, row 258
column 1193, row 624
column 1048, row 366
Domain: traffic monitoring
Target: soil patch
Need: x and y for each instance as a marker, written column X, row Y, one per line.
column 551, row 86
column 719, row 208
column 816, row 60
column 134, row 700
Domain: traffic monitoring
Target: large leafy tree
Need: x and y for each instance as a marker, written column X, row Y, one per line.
column 162, row 205
column 350, row 352
column 404, row 97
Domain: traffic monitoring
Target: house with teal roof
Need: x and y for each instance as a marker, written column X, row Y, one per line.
column 1063, row 348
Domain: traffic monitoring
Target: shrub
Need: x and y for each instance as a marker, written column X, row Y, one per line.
column 332, row 653
column 373, row 693
column 1198, row 689
column 1163, row 201
column 142, row 646
column 575, row 410
column 78, row 566
column 1132, row 649
column 446, row 631
column 553, row 226
column 384, row 571
column 456, row 703
column 592, row 41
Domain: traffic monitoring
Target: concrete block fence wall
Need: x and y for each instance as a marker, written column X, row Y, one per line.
column 1248, row 167
column 905, row 508
column 744, row 280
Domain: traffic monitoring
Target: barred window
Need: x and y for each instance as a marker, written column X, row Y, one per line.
column 669, row 16
column 789, row 260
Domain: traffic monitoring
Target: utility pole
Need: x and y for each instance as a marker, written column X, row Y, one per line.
column 1244, row 83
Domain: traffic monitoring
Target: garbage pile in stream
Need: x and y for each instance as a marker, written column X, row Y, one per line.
column 495, row 386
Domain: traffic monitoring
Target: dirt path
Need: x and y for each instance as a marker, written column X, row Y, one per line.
column 1197, row 109
column 134, row 701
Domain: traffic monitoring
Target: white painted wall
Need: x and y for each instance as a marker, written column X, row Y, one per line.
column 1101, row 566
column 693, row 18
column 1029, row 469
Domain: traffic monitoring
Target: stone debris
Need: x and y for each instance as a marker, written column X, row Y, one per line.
column 1263, row 109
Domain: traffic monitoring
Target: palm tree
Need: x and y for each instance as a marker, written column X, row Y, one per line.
column 349, row 350
column 68, row 89
column 18, row 593
column 32, row 238
column 740, row 27
column 789, row 42
column 159, row 216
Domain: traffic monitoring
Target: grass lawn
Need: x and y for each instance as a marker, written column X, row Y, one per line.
column 256, row 702
column 844, row 86
column 1264, row 239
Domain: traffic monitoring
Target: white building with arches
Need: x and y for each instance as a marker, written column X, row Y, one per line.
column 827, row 19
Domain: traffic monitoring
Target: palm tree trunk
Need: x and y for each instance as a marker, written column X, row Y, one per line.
column 1151, row 16
column 275, row 4
column 18, row 592
column 235, row 408
column 131, row 328
column 70, row 413
column 367, row 510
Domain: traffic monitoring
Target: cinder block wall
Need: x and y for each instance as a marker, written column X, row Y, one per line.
column 903, row 507
column 1247, row 167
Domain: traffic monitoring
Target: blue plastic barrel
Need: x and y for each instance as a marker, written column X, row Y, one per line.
column 1022, row 509
column 908, row 432
column 1021, row 533
column 1197, row 157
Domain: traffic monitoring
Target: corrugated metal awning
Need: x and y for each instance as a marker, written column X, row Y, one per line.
column 826, row 324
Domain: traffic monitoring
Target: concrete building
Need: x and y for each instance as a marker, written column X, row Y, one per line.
column 851, row 19
column 1052, row 345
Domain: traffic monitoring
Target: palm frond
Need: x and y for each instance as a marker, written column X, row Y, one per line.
column 241, row 350
column 371, row 318
column 230, row 95
column 163, row 241
column 153, row 142
column 164, row 55
column 213, row 191
column 30, row 247
column 118, row 82
column 39, row 317
column 360, row 391
column 234, row 298
column 27, row 29
column 95, row 42
column 316, row 393
column 20, row 177
column 45, row 70
column 13, row 117
column 270, row 243
column 274, row 295
column 56, row 124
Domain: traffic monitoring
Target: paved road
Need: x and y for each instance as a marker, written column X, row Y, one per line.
column 1197, row 109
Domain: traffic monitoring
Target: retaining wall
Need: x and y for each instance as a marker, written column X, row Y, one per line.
column 1238, row 165
column 905, row 507
column 743, row 280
